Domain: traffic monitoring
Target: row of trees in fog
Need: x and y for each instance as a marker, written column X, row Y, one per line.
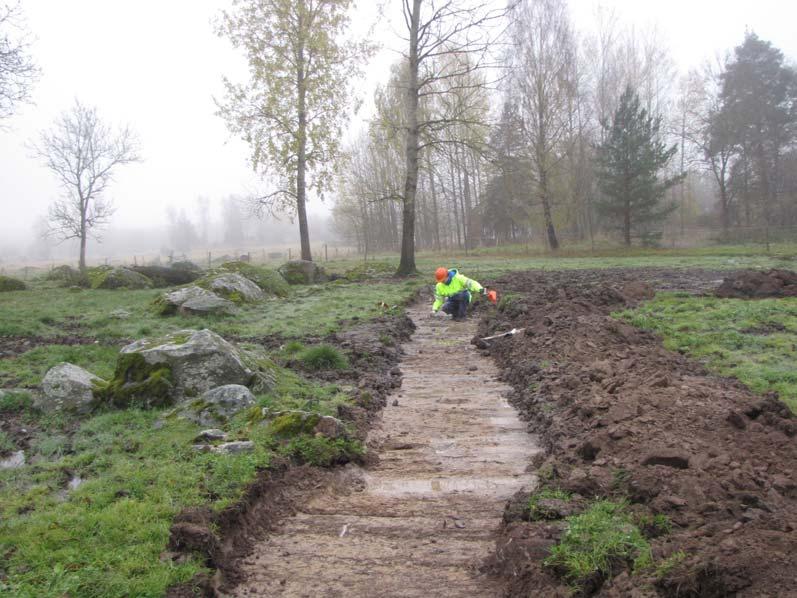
column 497, row 124
column 563, row 134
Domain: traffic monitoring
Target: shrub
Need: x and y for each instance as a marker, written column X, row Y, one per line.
column 11, row 284
column 69, row 277
column 293, row 347
column 323, row 357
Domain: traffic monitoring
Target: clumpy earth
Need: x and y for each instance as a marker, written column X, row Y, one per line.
column 621, row 417
column 754, row 284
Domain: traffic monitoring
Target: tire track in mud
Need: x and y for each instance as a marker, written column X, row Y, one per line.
column 421, row 521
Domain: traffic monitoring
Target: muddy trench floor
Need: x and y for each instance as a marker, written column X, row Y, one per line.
column 579, row 402
column 421, row 521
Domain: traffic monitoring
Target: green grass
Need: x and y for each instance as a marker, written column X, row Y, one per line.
column 312, row 310
column 104, row 538
column 29, row 368
column 538, row 511
column 599, row 542
column 754, row 341
column 323, row 357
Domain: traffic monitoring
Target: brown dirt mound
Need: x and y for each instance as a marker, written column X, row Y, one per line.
column 754, row 284
column 621, row 417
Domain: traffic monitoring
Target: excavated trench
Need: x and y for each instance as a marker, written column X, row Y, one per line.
column 419, row 522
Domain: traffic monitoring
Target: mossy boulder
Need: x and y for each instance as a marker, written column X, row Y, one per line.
column 234, row 287
column 8, row 284
column 163, row 276
column 302, row 272
column 270, row 281
column 106, row 277
column 287, row 424
column 200, row 360
column 136, row 383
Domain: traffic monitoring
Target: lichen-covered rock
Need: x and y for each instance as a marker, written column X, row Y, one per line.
column 236, row 288
column 302, row 272
column 118, row 278
column 11, row 284
column 193, row 300
column 231, row 448
column 218, row 405
column 14, row 461
column 270, row 281
column 200, row 360
column 68, row 387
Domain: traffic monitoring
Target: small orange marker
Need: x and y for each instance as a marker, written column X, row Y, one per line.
column 492, row 296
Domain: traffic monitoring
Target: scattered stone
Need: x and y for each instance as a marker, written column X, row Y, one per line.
column 237, row 288
column 210, row 435
column 395, row 403
column 472, row 368
column 194, row 300
column 120, row 278
column 232, row 448
column 68, row 387
column 15, row 461
column 120, row 314
column 217, row 406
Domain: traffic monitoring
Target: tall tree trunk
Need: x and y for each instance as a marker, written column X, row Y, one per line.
column 435, row 215
column 407, row 263
column 301, row 160
column 627, row 224
column 553, row 242
column 83, row 235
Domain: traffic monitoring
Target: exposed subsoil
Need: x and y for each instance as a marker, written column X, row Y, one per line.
column 419, row 520
column 619, row 416
column 755, row 284
column 11, row 346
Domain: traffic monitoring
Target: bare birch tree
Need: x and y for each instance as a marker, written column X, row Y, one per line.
column 84, row 153
column 545, row 55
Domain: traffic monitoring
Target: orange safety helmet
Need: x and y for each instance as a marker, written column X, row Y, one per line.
column 440, row 274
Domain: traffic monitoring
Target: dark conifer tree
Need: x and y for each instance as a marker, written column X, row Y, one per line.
column 628, row 165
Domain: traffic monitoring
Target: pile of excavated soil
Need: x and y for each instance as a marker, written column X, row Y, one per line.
column 621, row 417
column 755, row 284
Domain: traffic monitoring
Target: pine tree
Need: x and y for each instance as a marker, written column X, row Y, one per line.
column 628, row 166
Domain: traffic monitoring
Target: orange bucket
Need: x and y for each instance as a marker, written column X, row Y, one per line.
column 492, row 296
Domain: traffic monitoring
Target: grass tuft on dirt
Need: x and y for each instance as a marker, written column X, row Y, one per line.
column 753, row 341
column 323, row 357
column 598, row 543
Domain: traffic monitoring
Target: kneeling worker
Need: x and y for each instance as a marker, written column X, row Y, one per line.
column 454, row 292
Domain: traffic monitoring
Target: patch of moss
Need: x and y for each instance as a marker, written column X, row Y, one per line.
column 8, row 284
column 322, row 451
column 136, row 383
column 293, row 423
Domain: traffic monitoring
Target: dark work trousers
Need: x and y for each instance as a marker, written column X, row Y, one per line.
column 457, row 305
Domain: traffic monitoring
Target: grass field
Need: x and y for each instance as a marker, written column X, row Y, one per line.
column 137, row 469
column 754, row 341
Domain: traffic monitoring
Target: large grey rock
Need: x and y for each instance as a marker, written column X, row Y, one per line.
column 195, row 300
column 302, row 272
column 15, row 461
column 218, row 405
column 201, row 360
column 67, row 387
column 231, row 448
column 234, row 285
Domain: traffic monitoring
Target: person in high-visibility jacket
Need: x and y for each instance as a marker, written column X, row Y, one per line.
column 454, row 292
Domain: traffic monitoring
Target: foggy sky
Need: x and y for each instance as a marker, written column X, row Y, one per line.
column 157, row 65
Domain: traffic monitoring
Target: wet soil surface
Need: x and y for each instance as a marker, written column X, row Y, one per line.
column 11, row 346
column 621, row 417
column 420, row 521
column 754, row 284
